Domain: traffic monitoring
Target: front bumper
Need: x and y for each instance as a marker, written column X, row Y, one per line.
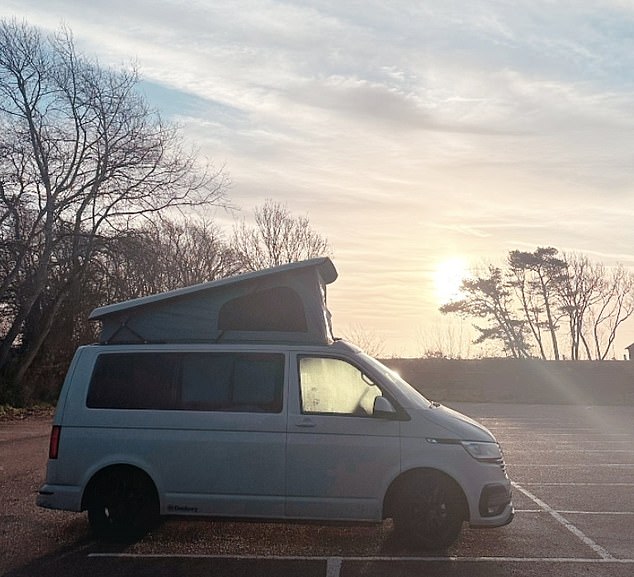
column 495, row 506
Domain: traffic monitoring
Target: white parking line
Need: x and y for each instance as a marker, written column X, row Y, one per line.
column 567, row 484
column 336, row 562
column 545, row 435
column 603, row 553
column 572, row 465
column 572, row 512
column 333, row 566
column 568, row 450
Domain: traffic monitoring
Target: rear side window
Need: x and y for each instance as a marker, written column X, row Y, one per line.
column 240, row 382
column 133, row 381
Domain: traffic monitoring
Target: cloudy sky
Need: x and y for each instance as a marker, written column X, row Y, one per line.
column 419, row 137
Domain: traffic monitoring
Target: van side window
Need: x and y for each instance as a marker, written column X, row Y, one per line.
column 334, row 386
column 241, row 382
column 232, row 382
column 133, row 381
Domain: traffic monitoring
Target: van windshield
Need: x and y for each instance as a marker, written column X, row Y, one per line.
column 416, row 398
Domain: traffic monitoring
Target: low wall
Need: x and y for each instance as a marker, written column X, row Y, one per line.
column 520, row 381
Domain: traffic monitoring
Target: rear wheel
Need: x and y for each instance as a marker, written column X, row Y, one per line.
column 429, row 510
column 122, row 504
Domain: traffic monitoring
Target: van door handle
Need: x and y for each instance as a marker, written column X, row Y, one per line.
column 306, row 424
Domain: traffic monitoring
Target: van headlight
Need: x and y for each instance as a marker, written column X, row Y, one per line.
column 485, row 452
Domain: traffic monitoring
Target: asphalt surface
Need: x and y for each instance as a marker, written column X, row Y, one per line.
column 573, row 474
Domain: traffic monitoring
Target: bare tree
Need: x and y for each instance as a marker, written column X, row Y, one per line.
column 367, row 340
column 277, row 238
column 578, row 294
column 448, row 340
column 526, row 303
column 163, row 256
column 537, row 278
column 81, row 154
column 488, row 297
column 195, row 252
column 613, row 307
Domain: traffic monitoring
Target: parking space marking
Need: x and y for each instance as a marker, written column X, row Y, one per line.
column 572, row 465
column 581, row 452
column 617, row 513
column 336, row 562
column 545, row 435
column 573, row 512
column 574, row 484
column 601, row 551
column 333, row 566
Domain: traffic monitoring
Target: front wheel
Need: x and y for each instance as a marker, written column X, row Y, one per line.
column 122, row 505
column 429, row 511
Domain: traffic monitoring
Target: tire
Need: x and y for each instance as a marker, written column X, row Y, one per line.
column 429, row 510
column 122, row 505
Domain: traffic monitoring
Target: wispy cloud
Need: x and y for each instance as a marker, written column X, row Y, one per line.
column 408, row 131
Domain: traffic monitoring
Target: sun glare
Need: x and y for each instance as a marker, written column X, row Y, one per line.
column 448, row 277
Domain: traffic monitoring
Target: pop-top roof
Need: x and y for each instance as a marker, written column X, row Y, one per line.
column 284, row 303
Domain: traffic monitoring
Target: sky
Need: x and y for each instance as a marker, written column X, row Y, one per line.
column 420, row 137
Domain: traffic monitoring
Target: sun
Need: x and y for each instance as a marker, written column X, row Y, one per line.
column 448, row 277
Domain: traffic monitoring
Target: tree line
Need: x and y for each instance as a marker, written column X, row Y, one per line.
column 100, row 201
column 548, row 305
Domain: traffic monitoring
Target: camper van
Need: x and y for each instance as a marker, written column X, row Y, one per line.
column 231, row 399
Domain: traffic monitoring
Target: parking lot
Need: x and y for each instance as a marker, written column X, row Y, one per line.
column 573, row 474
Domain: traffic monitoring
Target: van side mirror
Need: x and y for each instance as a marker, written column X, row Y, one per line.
column 383, row 409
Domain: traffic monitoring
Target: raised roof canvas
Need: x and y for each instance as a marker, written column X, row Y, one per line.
column 284, row 303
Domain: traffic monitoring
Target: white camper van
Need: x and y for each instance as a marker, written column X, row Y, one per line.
column 210, row 401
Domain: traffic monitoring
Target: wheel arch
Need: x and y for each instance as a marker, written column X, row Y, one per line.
column 115, row 468
column 422, row 473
